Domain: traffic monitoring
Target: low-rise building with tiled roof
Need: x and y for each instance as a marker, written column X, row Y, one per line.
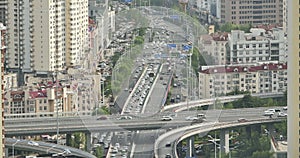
column 260, row 78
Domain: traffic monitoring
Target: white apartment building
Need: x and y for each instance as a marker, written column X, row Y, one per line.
column 293, row 119
column 217, row 81
column 214, row 45
column 105, row 21
column 258, row 46
column 76, row 30
column 45, row 36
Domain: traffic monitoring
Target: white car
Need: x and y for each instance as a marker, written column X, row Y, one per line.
column 67, row 151
column 32, row 143
column 285, row 108
column 268, row 113
column 281, row 114
column 271, row 110
column 166, row 118
column 191, row 118
column 125, row 118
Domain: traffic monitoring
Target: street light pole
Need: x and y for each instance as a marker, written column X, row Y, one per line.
column 56, row 103
column 214, row 141
column 13, row 148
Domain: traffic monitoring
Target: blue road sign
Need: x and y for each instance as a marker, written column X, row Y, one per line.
column 186, row 47
column 171, row 45
column 175, row 17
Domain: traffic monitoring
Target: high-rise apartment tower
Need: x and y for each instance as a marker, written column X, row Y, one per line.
column 3, row 50
column 45, row 35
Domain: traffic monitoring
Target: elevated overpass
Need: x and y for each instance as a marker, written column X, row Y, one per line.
column 186, row 132
column 47, row 148
column 224, row 99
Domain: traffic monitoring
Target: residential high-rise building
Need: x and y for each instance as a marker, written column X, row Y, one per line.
column 3, row 9
column 252, row 11
column 3, row 51
column 293, row 118
column 45, row 36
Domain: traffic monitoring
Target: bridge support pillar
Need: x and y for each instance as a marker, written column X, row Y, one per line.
column 6, row 152
column 179, row 149
column 88, row 139
column 270, row 129
column 191, row 147
column 224, row 141
column 248, row 131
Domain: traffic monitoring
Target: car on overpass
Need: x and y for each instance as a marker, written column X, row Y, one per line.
column 125, row 118
column 242, row 120
column 166, row 118
column 198, row 120
column 282, row 114
column 191, row 118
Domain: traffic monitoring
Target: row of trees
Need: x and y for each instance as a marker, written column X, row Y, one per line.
column 249, row 101
column 247, row 142
column 78, row 140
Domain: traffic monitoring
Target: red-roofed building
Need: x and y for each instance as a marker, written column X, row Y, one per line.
column 264, row 78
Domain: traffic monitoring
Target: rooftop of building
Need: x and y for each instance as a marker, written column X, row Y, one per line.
column 257, row 34
column 281, row 146
column 239, row 69
column 217, row 36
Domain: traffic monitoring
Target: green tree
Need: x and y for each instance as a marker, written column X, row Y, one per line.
column 281, row 128
column 227, row 27
column 262, row 154
column 99, row 152
column 195, row 60
column 138, row 40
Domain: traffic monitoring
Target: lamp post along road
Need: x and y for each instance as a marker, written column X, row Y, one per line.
column 214, row 141
column 13, row 148
column 56, row 104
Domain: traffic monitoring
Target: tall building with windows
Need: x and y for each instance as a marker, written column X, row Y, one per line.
column 293, row 79
column 3, row 50
column 252, row 11
column 3, row 8
column 45, row 36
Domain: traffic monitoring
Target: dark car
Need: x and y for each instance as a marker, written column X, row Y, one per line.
column 168, row 156
column 102, row 118
column 168, row 144
column 242, row 120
